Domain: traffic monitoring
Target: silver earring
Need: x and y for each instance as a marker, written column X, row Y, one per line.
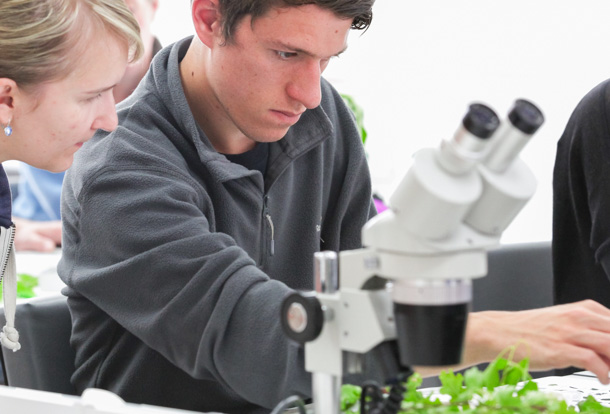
column 8, row 130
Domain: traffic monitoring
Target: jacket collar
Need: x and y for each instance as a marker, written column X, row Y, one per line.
column 313, row 128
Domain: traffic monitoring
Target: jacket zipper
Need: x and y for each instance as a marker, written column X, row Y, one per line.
column 266, row 198
column 7, row 237
column 270, row 222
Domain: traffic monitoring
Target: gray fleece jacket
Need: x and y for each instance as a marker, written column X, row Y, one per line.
column 177, row 260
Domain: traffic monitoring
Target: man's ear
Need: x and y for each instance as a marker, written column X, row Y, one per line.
column 8, row 91
column 206, row 18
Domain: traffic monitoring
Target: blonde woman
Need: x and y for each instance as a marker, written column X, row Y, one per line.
column 36, row 206
column 60, row 62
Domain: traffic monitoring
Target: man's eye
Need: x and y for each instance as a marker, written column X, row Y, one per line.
column 285, row 55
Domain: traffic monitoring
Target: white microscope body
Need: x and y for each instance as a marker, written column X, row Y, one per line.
column 412, row 280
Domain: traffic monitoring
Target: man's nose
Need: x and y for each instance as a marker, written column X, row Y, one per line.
column 305, row 85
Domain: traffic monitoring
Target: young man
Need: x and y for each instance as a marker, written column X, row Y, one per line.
column 185, row 228
column 234, row 163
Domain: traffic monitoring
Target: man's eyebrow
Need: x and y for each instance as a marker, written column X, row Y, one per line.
column 286, row 47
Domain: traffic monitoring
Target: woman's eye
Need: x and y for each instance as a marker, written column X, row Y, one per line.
column 93, row 98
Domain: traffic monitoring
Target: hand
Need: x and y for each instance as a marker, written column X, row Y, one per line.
column 576, row 334
column 40, row 236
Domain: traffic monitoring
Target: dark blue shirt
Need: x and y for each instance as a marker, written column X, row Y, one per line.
column 255, row 159
column 5, row 200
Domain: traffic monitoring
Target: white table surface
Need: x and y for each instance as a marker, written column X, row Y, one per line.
column 576, row 387
column 43, row 266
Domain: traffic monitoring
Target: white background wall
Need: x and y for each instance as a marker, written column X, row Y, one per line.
column 421, row 63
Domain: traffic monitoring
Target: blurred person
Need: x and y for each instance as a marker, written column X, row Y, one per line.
column 581, row 202
column 36, row 209
column 60, row 62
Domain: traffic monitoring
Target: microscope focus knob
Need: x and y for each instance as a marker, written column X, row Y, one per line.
column 302, row 316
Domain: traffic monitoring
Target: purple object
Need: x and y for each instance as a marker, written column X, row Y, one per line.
column 379, row 205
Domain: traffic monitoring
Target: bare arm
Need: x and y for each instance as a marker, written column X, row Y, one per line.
column 576, row 334
column 40, row 236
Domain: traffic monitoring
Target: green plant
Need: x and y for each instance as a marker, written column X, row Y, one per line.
column 358, row 113
column 25, row 286
column 504, row 387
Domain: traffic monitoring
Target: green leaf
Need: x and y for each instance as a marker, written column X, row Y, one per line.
column 413, row 383
column 451, row 384
column 505, row 397
column 27, row 280
column 474, row 378
column 358, row 114
column 513, row 375
column 504, row 387
column 491, row 375
column 350, row 395
column 528, row 387
column 25, row 286
column 591, row 405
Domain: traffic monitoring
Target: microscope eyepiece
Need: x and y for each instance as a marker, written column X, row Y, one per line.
column 526, row 116
column 524, row 119
column 465, row 149
column 481, row 121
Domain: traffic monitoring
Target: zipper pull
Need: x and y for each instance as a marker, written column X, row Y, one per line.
column 272, row 233
column 268, row 217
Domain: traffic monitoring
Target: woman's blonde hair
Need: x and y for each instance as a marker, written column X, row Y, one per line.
column 40, row 40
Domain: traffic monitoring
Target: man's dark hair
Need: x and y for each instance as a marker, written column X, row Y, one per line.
column 232, row 11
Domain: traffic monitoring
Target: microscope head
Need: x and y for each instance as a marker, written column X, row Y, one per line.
column 453, row 204
column 431, row 312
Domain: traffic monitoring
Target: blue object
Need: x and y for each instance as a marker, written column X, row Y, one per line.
column 38, row 197
column 5, row 200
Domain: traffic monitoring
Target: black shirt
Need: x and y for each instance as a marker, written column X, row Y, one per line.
column 255, row 159
column 581, row 203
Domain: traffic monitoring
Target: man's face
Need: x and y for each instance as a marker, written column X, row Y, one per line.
column 269, row 75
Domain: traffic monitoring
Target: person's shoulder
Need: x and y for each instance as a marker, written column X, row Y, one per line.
column 601, row 88
column 140, row 112
column 329, row 94
column 139, row 140
column 332, row 102
column 594, row 101
column 588, row 126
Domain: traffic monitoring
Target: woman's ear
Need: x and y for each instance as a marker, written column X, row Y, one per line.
column 8, row 91
column 206, row 18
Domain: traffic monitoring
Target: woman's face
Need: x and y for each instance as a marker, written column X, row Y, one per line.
column 53, row 120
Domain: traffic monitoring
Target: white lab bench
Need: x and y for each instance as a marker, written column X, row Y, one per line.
column 43, row 266
column 576, row 387
column 573, row 388
column 93, row 401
